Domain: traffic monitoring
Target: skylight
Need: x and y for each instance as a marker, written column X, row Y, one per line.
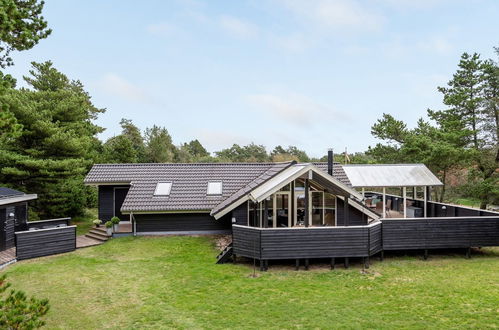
column 214, row 188
column 163, row 189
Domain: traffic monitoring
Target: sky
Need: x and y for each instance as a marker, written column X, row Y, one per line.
column 315, row 74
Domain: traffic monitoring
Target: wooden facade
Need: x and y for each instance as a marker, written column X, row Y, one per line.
column 44, row 242
column 13, row 218
column 111, row 198
column 302, row 243
column 181, row 223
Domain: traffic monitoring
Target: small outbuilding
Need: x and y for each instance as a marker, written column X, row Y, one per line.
column 13, row 215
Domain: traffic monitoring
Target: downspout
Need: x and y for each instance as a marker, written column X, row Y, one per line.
column 134, row 224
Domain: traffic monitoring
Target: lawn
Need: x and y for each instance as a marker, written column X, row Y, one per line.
column 172, row 282
column 84, row 222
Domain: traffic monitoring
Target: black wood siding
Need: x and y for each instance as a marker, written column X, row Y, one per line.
column 106, row 202
column 246, row 242
column 241, row 214
column 179, row 222
column 435, row 233
column 9, row 227
column 297, row 243
column 355, row 217
column 44, row 242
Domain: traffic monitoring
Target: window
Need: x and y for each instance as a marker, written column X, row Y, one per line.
column 163, row 189
column 214, row 188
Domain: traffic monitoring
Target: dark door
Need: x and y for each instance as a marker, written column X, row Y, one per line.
column 9, row 228
column 119, row 198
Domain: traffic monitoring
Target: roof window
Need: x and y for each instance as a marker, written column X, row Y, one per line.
column 214, row 188
column 163, row 189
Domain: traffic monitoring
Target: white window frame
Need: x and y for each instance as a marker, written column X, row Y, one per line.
column 214, row 193
column 169, row 189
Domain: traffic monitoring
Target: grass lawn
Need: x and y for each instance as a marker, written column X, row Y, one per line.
column 172, row 282
column 84, row 222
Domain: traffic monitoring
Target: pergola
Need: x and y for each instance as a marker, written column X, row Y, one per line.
column 363, row 176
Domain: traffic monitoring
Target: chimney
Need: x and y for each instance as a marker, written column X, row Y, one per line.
column 330, row 161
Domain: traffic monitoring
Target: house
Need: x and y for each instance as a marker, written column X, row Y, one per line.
column 207, row 198
column 13, row 215
column 291, row 210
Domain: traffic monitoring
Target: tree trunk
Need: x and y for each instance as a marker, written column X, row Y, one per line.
column 442, row 193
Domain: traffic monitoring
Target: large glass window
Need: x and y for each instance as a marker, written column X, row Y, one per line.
column 329, row 209
column 317, row 208
column 282, row 210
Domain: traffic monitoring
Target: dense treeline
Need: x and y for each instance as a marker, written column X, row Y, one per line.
column 48, row 135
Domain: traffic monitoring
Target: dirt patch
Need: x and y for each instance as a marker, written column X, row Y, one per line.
column 221, row 241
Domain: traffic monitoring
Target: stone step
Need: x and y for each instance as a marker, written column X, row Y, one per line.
column 98, row 237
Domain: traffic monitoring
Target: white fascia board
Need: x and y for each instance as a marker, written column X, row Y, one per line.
column 280, row 180
column 229, row 207
column 18, row 199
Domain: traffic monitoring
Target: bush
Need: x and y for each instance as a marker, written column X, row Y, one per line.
column 17, row 311
column 108, row 224
column 115, row 220
column 97, row 222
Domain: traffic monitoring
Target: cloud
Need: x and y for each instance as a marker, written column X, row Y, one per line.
column 335, row 14
column 438, row 45
column 216, row 140
column 161, row 29
column 294, row 109
column 238, row 28
column 118, row 86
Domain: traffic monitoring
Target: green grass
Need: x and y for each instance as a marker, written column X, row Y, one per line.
column 172, row 282
column 84, row 222
column 465, row 201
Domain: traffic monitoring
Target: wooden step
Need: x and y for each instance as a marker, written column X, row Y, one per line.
column 100, row 229
column 103, row 236
column 98, row 237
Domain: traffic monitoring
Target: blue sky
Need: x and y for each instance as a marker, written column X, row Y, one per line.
column 310, row 73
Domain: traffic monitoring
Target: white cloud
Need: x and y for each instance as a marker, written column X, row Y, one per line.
column 294, row 109
column 162, row 29
column 215, row 140
column 238, row 28
column 119, row 86
column 335, row 14
column 438, row 45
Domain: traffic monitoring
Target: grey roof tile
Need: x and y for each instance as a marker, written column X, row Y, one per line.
column 189, row 182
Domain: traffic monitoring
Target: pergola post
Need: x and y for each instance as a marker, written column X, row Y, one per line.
column 384, row 202
column 425, row 201
column 265, row 216
column 345, row 212
column 404, row 192
column 307, row 201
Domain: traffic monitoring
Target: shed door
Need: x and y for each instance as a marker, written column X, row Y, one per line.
column 119, row 198
column 9, row 228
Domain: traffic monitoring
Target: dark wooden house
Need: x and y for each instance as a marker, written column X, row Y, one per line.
column 13, row 215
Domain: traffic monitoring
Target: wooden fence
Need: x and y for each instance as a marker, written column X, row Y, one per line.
column 440, row 233
column 313, row 242
column 45, row 238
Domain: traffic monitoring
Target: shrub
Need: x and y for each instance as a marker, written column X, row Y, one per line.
column 108, row 224
column 97, row 222
column 17, row 311
column 115, row 220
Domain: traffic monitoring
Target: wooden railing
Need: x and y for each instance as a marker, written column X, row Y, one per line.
column 45, row 237
column 312, row 242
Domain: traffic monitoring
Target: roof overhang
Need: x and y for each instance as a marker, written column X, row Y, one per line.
column 17, row 199
column 283, row 178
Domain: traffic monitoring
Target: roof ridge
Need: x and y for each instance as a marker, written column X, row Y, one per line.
column 193, row 164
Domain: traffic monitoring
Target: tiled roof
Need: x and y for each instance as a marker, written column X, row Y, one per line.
column 189, row 186
column 278, row 167
column 338, row 172
column 189, row 182
column 7, row 192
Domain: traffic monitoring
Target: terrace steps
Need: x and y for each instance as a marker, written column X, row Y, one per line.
column 225, row 255
column 98, row 233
